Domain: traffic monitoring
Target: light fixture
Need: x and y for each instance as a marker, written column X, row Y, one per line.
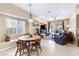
column 48, row 11
column 30, row 18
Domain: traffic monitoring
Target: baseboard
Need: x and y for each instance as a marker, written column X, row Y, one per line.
column 7, row 48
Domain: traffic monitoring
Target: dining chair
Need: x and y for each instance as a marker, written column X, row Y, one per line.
column 37, row 45
column 21, row 46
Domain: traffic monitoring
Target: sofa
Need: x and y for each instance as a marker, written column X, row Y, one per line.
column 64, row 38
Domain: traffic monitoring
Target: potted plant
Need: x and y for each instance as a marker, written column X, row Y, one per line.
column 37, row 30
column 7, row 37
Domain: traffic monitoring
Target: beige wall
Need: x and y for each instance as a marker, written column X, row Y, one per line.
column 72, row 21
column 13, row 11
column 10, row 10
column 77, row 15
column 66, row 23
column 40, row 20
column 2, row 27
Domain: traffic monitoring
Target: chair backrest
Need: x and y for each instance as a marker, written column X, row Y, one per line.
column 18, row 44
column 71, row 34
column 38, row 41
column 71, row 37
column 21, row 44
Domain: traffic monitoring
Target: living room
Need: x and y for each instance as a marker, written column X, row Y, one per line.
column 14, row 23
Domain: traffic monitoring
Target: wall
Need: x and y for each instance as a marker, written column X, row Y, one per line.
column 10, row 10
column 72, row 21
column 77, row 15
column 66, row 23
column 2, row 27
column 13, row 11
column 40, row 20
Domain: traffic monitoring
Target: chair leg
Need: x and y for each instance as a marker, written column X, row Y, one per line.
column 40, row 48
column 28, row 50
column 16, row 52
column 37, row 50
column 23, row 51
column 31, row 48
column 20, row 53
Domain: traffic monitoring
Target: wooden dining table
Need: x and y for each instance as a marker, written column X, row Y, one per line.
column 29, row 40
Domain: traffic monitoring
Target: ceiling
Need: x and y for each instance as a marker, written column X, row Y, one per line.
column 49, row 11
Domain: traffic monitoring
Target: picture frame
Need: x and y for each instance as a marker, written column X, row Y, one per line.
column 35, row 23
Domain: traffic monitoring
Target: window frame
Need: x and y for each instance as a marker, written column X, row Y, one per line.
column 18, row 20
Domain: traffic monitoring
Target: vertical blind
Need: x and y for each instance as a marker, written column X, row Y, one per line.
column 15, row 26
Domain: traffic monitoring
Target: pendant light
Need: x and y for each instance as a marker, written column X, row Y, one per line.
column 30, row 18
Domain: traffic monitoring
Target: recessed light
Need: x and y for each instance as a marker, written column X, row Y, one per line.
column 48, row 11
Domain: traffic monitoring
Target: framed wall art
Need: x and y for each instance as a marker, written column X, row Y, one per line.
column 35, row 23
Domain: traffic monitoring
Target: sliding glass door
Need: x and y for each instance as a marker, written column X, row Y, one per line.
column 56, row 26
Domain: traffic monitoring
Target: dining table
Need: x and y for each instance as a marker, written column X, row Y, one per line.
column 29, row 40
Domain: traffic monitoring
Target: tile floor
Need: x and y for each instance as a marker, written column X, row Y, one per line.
column 50, row 48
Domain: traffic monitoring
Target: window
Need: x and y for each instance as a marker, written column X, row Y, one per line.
column 56, row 26
column 15, row 26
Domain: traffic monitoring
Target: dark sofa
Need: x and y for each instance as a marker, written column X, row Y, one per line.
column 64, row 38
column 61, row 39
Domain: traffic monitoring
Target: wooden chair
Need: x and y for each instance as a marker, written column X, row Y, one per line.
column 37, row 45
column 20, row 47
column 71, row 37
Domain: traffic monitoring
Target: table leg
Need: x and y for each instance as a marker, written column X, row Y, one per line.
column 28, row 49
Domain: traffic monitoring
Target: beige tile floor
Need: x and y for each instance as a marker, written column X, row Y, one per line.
column 50, row 48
